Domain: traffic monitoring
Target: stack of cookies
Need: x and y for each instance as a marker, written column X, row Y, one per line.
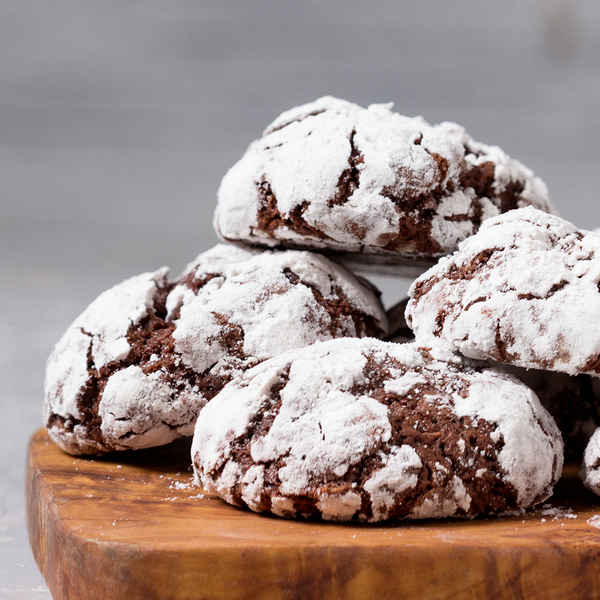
column 305, row 400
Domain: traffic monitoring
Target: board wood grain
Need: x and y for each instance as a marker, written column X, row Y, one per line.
column 132, row 525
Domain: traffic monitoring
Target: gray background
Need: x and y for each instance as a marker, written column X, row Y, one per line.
column 119, row 118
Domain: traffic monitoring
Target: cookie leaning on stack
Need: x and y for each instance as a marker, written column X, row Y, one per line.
column 369, row 185
column 524, row 291
column 134, row 370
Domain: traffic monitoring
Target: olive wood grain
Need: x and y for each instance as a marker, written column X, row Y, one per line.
column 132, row 525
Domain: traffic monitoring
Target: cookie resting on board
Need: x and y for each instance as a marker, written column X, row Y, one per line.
column 137, row 366
column 365, row 430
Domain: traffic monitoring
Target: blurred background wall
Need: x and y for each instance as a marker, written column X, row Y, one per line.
column 118, row 119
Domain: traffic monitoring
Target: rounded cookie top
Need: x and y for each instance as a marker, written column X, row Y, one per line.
column 331, row 175
column 138, row 364
column 523, row 291
column 366, row 430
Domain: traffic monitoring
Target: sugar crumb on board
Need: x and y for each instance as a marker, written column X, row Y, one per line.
column 594, row 521
column 557, row 512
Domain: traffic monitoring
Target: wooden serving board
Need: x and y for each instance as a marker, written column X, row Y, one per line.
column 132, row 525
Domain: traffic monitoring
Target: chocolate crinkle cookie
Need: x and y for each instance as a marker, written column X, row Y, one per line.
column 333, row 176
column 523, row 291
column 365, row 430
column 139, row 363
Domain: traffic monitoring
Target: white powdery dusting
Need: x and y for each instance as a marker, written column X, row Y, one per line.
column 537, row 293
column 591, row 462
column 321, row 427
column 103, row 327
column 66, row 374
column 438, row 506
column 139, row 410
column 224, row 484
column 275, row 315
column 398, row 473
column 334, row 507
column 253, row 482
column 532, row 454
column 111, row 315
column 458, row 203
column 217, row 258
column 401, row 384
column 308, row 150
column 228, row 415
column 283, row 506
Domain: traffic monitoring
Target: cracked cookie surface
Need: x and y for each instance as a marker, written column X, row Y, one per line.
column 523, row 291
column 366, row 430
column 333, row 176
column 137, row 366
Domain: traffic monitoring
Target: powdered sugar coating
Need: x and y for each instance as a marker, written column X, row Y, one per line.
column 99, row 335
column 255, row 294
column 334, row 176
column 573, row 402
column 523, row 291
column 591, row 464
column 367, row 430
column 137, row 366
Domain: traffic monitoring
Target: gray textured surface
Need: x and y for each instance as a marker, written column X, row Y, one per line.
column 119, row 118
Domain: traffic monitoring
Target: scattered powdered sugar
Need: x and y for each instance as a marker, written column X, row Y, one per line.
column 557, row 513
column 524, row 291
column 594, row 521
column 180, row 485
column 176, row 485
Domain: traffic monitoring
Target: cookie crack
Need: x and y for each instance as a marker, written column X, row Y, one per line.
column 339, row 308
column 269, row 218
column 349, row 180
column 555, row 288
column 194, row 283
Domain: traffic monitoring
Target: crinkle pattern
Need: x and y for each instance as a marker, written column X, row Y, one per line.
column 523, row 291
column 139, row 363
column 366, row 430
column 331, row 175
